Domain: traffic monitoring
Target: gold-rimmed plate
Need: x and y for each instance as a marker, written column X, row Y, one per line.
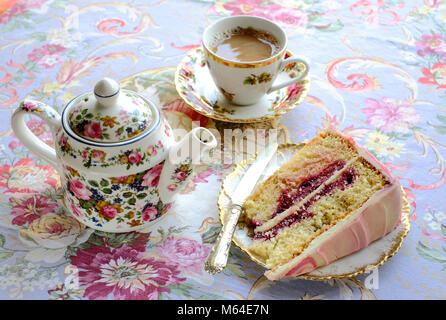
column 365, row 260
column 195, row 85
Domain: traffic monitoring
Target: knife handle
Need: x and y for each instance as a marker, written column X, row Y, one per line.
column 218, row 257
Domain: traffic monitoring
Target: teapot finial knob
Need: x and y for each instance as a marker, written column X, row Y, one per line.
column 106, row 92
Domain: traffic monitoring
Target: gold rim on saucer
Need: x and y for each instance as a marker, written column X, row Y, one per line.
column 184, row 76
column 396, row 239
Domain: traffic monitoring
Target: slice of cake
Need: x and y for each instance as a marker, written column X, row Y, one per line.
column 330, row 200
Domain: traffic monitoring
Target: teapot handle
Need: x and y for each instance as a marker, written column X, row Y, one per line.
column 33, row 143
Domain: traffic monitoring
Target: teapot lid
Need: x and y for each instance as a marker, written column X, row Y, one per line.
column 110, row 114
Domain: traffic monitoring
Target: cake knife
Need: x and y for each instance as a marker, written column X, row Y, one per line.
column 218, row 257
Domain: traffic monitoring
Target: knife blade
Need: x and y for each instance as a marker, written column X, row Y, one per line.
column 252, row 175
column 218, row 256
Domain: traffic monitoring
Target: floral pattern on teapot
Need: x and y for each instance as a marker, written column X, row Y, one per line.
column 95, row 157
column 38, row 108
column 110, row 185
column 180, row 174
column 96, row 126
column 132, row 199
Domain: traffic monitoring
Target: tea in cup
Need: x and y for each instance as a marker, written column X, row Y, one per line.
column 246, row 44
column 245, row 54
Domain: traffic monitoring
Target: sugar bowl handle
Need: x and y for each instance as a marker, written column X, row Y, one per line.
column 33, row 143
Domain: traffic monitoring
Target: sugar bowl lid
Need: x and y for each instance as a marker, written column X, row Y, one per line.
column 110, row 114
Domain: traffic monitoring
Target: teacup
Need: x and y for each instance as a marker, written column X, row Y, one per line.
column 246, row 82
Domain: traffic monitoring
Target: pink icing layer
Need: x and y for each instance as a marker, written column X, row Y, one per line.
column 376, row 218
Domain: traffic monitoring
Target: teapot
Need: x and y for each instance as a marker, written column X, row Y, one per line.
column 119, row 163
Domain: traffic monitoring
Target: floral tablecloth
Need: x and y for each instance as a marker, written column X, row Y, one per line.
column 378, row 73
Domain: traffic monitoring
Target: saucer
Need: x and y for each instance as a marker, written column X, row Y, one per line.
column 194, row 84
column 362, row 261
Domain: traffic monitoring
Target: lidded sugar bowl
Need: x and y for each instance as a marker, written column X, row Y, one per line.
column 119, row 164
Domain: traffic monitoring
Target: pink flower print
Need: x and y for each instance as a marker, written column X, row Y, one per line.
column 97, row 155
column 25, row 177
column 76, row 211
column 123, row 274
column 47, row 56
column 79, row 190
column 431, row 44
column 19, row 7
column 160, row 144
column 93, row 130
column 172, row 187
column 123, row 115
column 135, row 157
column 109, row 212
column 283, row 15
column 151, row 151
column 167, row 130
column 54, row 230
column 137, row 101
column 244, row 7
column 85, row 154
column 120, row 179
column 29, row 106
column 434, row 76
column 52, row 49
column 186, row 254
column 49, row 61
column 375, row 11
column 390, row 115
column 152, row 177
column 149, row 213
column 14, row 144
column 180, row 176
column 26, row 210
column 294, row 91
column 287, row 16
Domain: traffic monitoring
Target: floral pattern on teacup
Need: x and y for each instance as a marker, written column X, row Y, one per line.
column 198, row 95
column 294, row 69
column 227, row 94
column 254, row 79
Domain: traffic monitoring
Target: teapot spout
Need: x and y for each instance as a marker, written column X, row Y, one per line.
column 183, row 156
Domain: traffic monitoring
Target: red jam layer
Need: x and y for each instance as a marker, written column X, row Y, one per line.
column 345, row 180
column 307, row 186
